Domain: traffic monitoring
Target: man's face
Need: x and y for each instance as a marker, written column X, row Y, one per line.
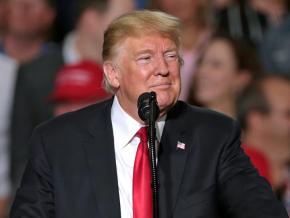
column 29, row 17
column 144, row 64
column 277, row 122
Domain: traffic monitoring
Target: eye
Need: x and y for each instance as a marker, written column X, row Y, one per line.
column 213, row 63
column 171, row 56
column 216, row 63
column 144, row 59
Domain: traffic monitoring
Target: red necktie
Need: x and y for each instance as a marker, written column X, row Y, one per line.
column 142, row 192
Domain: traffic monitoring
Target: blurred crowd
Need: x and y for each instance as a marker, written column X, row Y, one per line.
column 236, row 56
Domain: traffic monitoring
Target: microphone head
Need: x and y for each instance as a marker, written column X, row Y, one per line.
column 147, row 106
column 144, row 106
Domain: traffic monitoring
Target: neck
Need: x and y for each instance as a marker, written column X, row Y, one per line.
column 224, row 106
column 128, row 107
column 22, row 48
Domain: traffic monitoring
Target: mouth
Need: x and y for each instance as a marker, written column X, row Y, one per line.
column 161, row 85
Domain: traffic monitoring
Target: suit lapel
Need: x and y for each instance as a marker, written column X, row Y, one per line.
column 99, row 148
column 172, row 160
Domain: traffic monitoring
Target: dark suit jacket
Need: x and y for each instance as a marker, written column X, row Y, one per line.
column 31, row 106
column 72, row 170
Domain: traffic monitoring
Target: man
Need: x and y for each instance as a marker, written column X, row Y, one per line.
column 82, row 163
column 264, row 112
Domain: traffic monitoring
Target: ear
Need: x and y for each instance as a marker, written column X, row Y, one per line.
column 111, row 74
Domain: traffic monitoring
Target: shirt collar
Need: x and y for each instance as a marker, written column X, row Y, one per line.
column 125, row 126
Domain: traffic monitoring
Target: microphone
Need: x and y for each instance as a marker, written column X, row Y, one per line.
column 148, row 109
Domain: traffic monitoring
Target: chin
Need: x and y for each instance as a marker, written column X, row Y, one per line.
column 206, row 96
column 165, row 102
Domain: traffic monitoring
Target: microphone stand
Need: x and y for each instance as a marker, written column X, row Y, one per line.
column 148, row 111
column 152, row 151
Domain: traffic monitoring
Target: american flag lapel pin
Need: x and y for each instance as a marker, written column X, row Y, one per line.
column 180, row 145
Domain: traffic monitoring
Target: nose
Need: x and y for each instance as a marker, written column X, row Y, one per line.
column 162, row 67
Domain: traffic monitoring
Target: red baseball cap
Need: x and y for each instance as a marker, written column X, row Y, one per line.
column 79, row 82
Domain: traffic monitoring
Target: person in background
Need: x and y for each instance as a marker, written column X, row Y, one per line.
column 24, row 27
column 3, row 13
column 275, row 48
column 35, row 81
column 94, row 162
column 196, row 31
column 264, row 114
column 240, row 19
column 28, row 23
column 85, row 41
column 8, row 76
column 274, row 10
column 77, row 86
column 225, row 69
column 67, row 10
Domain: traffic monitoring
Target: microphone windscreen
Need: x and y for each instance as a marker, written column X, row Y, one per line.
column 144, row 106
column 147, row 107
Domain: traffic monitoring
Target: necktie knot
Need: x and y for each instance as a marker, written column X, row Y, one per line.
column 142, row 134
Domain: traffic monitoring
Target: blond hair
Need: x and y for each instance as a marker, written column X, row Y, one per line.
column 137, row 24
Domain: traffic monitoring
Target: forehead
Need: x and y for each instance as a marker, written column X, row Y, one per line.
column 148, row 42
column 219, row 50
column 277, row 91
column 220, row 46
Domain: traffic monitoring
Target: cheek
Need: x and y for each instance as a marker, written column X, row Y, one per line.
column 210, row 80
column 134, row 84
column 281, row 123
column 174, row 70
column 212, row 88
column 224, row 79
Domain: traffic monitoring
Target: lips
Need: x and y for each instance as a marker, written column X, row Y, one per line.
column 161, row 85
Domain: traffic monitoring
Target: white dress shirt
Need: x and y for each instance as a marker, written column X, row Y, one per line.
column 8, row 71
column 125, row 142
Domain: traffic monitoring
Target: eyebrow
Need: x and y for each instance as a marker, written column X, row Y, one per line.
column 144, row 51
column 171, row 49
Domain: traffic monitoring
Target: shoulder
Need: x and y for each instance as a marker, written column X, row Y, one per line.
column 62, row 138
column 77, row 122
column 47, row 63
column 202, row 117
column 203, row 124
